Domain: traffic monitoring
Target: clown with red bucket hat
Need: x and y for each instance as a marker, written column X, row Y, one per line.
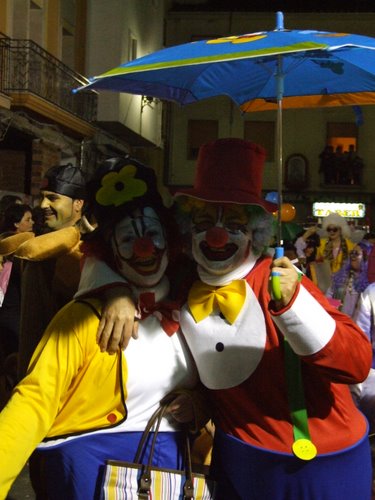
column 277, row 370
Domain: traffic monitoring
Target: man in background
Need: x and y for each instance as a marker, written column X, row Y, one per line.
column 51, row 261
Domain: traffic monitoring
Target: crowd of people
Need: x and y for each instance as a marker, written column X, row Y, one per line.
column 348, row 280
column 126, row 304
column 332, row 257
column 341, row 167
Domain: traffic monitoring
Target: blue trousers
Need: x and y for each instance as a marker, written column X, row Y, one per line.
column 74, row 469
column 245, row 472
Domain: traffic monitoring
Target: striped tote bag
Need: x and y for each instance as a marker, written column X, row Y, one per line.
column 137, row 481
column 126, row 481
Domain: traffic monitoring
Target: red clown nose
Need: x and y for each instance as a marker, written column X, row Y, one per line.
column 143, row 247
column 217, row 237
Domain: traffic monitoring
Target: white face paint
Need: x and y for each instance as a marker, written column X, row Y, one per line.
column 224, row 249
column 139, row 246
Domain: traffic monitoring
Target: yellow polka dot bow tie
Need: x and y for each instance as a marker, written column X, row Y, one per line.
column 203, row 299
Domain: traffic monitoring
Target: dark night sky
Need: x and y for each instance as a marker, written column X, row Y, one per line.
column 285, row 6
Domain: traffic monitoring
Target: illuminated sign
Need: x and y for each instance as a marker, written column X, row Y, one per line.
column 350, row 210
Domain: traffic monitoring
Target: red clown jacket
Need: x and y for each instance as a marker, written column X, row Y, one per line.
column 243, row 366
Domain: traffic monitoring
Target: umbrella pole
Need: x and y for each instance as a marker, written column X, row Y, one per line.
column 279, row 147
column 279, row 131
column 279, row 251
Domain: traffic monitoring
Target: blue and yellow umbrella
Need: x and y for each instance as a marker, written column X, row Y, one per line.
column 258, row 71
column 316, row 68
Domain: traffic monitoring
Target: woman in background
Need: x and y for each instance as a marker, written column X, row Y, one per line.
column 351, row 280
column 18, row 218
column 336, row 247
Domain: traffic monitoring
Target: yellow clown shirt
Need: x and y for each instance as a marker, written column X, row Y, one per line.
column 71, row 388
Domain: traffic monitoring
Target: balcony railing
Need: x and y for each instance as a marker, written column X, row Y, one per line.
column 4, row 61
column 27, row 68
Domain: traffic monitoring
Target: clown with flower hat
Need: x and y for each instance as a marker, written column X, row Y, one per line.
column 79, row 406
column 277, row 370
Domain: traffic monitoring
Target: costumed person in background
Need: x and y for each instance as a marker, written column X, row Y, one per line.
column 351, row 280
column 251, row 350
column 18, row 218
column 335, row 249
column 86, row 405
column 306, row 247
column 364, row 316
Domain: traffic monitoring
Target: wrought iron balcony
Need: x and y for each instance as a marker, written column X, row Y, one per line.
column 27, row 68
column 4, row 61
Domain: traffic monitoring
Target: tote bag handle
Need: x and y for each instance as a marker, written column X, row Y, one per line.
column 145, row 479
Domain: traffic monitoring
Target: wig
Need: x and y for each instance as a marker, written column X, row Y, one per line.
column 334, row 219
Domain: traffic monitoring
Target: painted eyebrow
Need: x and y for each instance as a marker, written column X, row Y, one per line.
column 135, row 226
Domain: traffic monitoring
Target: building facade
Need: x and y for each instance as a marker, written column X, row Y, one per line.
column 46, row 46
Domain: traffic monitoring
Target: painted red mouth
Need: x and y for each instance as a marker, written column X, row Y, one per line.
column 218, row 254
column 146, row 265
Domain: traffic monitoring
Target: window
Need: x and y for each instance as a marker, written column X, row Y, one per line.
column 339, row 162
column 132, row 47
column 200, row 132
column 262, row 133
column 342, row 134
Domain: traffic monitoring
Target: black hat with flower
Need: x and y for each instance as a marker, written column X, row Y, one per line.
column 118, row 187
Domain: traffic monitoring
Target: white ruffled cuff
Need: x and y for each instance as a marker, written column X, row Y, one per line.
column 306, row 325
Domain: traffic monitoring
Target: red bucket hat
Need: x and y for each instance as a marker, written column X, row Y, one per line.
column 230, row 171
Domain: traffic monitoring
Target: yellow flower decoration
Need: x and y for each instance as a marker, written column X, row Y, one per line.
column 238, row 39
column 120, row 187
